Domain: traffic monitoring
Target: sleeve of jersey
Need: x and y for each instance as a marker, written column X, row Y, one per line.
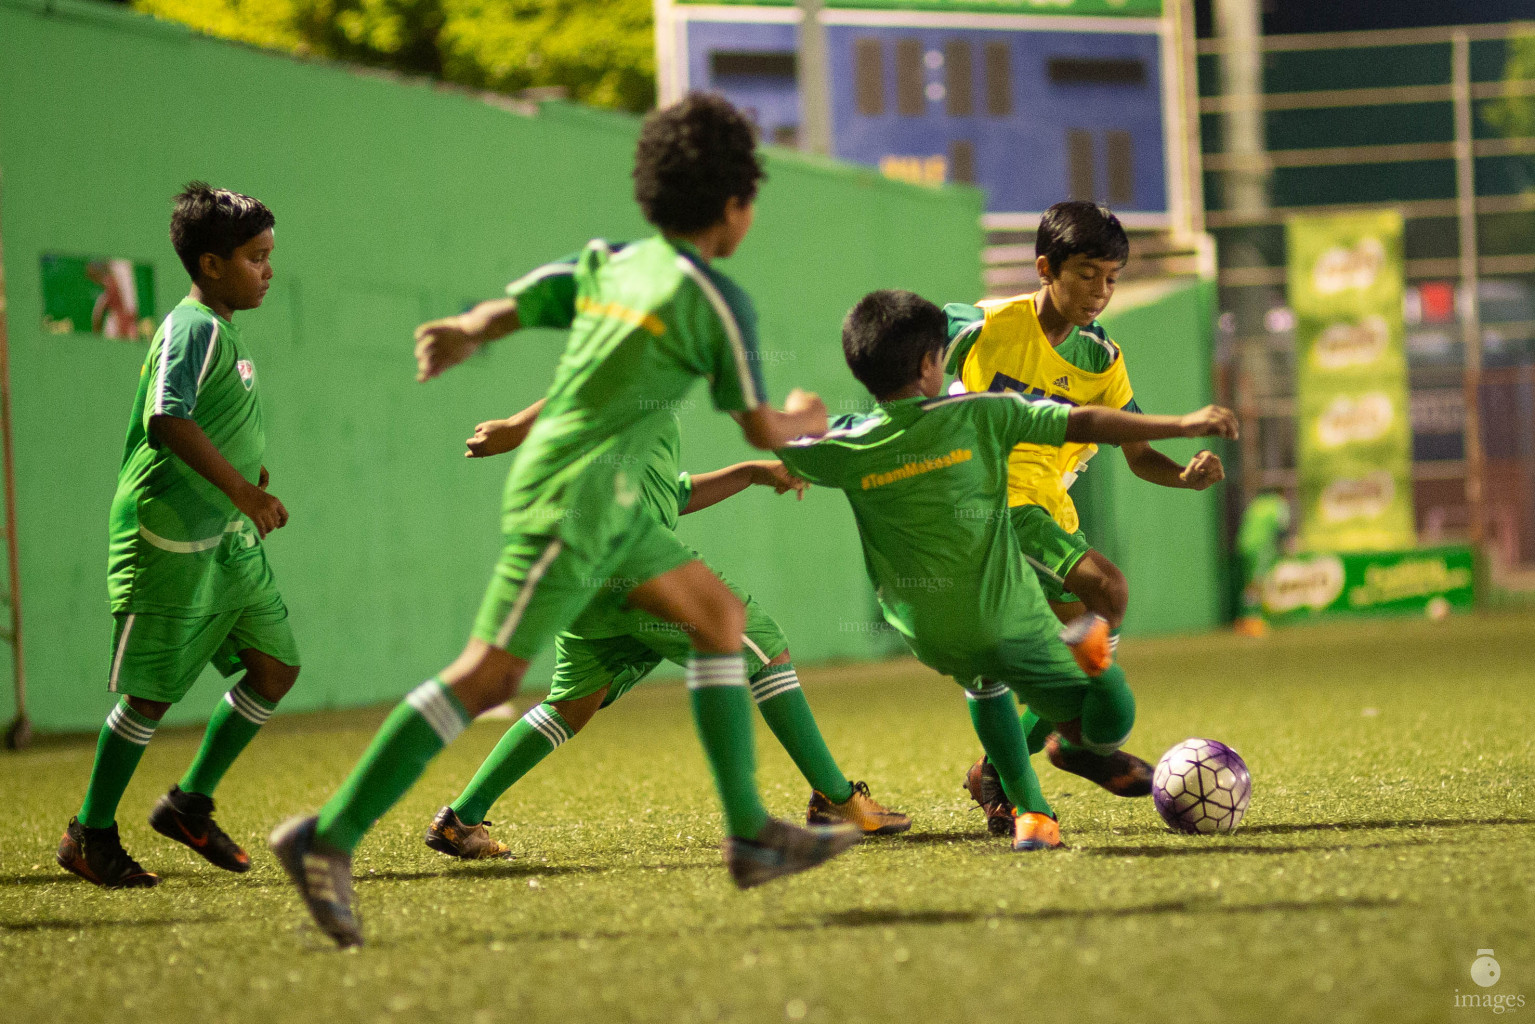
column 684, row 490
column 722, row 324
column 964, row 323
column 546, row 297
column 1030, row 422
column 185, row 353
column 807, row 460
column 1117, row 393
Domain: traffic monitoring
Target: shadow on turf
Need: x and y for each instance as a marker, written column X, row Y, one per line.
column 865, row 917
column 1361, row 826
column 469, row 873
column 72, row 926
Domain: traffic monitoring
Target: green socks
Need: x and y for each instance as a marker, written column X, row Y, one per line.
column 1108, row 712
column 529, row 741
column 235, row 722
column 1036, row 730
column 783, row 705
column 722, row 711
column 118, row 750
column 428, row 719
column 995, row 716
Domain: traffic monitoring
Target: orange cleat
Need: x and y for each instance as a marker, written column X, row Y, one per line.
column 1088, row 637
column 1254, row 626
column 1035, row 831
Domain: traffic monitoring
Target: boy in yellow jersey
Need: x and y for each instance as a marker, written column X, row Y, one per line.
column 1049, row 344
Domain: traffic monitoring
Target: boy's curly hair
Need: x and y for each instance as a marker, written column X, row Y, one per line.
column 692, row 157
column 216, row 220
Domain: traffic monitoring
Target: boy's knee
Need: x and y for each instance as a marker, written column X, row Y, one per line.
column 719, row 627
column 154, row 710
column 274, row 680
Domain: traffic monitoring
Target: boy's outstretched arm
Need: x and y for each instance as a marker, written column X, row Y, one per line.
column 803, row 415
column 713, row 488
column 1152, row 466
column 1099, row 425
column 494, row 437
column 188, row 443
column 442, row 344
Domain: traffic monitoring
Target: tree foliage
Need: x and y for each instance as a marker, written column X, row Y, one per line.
column 600, row 51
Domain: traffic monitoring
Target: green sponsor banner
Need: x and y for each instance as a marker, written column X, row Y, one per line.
column 1353, row 422
column 103, row 295
column 1433, row 580
column 1100, row 8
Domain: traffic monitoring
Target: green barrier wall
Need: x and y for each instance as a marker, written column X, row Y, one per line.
column 396, row 201
column 1167, row 542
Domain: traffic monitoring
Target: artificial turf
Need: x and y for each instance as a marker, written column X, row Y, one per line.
column 1391, row 836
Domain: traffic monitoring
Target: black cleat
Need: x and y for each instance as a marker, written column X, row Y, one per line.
column 323, row 878
column 97, row 855
column 985, row 787
column 1121, row 773
column 782, row 848
column 188, row 819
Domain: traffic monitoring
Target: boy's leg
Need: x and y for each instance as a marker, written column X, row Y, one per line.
column 993, row 710
column 155, row 660
column 758, row 848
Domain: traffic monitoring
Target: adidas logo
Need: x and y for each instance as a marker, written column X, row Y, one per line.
column 1064, row 383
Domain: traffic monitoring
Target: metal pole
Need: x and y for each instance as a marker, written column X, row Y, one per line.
column 1470, row 297
column 814, row 73
column 20, row 732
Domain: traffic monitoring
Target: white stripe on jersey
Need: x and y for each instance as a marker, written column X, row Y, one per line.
column 732, row 330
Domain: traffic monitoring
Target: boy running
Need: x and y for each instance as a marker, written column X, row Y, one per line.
column 610, row 648
column 1049, row 344
column 187, row 574
column 927, row 478
column 646, row 321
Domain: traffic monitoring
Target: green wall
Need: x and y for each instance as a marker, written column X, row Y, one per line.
column 1167, row 542
column 396, row 201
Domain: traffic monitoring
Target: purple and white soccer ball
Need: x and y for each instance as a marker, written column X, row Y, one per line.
column 1201, row 786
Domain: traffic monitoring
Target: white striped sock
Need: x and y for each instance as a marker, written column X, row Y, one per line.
column 242, row 698
column 432, row 703
column 991, row 692
column 125, row 724
column 716, row 671
column 771, row 682
column 1114, row 641
column 549, row 724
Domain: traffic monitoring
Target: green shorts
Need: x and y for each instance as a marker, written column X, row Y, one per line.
column 585, row 665
column 541, row 586
column 1050, row 550
column 159, row 657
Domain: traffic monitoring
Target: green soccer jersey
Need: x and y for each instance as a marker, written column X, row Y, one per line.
column 178, row 544
column 927, row 480
column 646, row 320
column 664, row 491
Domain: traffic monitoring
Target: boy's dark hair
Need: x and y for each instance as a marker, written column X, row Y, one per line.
column 1078, row 226
column 216, row 220
column 885, row 336
column 692, row 156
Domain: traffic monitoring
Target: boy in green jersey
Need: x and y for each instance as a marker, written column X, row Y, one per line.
column 646, row 320
column 610, row 648
column 927, row 480
column 187, row 574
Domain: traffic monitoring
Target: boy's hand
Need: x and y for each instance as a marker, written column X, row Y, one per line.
column 266, row 478
column 808, row 404
column 777, row 476
column 264, row 510
column 494, row 437
column 1203, row 470
column 1211, row 421
column 441, row 345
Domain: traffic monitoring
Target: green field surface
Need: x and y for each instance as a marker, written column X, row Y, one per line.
column 1391, row 836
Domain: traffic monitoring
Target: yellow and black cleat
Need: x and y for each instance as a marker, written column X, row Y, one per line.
column 860, row 809
column 446, row 834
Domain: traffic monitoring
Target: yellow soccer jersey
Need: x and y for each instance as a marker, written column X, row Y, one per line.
column 998, row 345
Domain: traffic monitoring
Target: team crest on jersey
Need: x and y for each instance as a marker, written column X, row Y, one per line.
column 247, row 370
column 1063, row 382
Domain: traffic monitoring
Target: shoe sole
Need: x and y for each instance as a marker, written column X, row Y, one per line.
column 884, row 830
column 1036, row 844
column 842, row 840
column 443, row 845
column 165, row 828
column 284, row 843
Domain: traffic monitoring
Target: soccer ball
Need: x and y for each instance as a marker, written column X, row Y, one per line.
column 1201, row 786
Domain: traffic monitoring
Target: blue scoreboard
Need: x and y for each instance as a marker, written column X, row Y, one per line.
column 1032, row 107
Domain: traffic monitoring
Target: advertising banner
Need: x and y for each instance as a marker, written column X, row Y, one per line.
column 1353, row 420
column 103, row 295
column 1432, row 580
